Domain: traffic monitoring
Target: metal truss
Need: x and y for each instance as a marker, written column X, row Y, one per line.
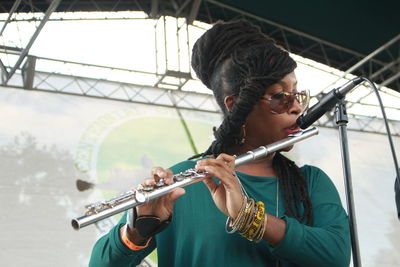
column 7, row 75
column 113, row 90
column 373, row 75
column 362, row 123
column 382, row 66
column 153, row 8
column 151, row 95
column 167, row 85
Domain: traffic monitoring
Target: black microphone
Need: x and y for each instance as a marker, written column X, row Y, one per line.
column 326, row 103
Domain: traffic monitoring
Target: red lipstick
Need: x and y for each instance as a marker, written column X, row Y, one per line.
column 292, row 130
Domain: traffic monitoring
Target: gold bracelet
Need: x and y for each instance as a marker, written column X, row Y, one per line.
column 260, row 236
column 257, row 236
column 234, row 223
column 248, row 219
column 250, row 222
column 256, row 222
column 239, row 219
column 256, row 226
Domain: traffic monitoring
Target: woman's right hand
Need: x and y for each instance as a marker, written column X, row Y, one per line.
column 161, row 207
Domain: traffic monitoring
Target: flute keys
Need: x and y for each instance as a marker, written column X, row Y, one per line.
column 160, row 183
column 178, row 178
column 183, row 175
column 140, row 197
column 90, row 209
column 145, row 187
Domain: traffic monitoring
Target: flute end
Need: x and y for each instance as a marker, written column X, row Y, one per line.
column 75, row 224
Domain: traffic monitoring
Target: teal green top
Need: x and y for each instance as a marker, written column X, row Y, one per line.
column 197, row 237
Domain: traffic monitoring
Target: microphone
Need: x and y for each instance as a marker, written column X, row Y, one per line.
column 326, row 103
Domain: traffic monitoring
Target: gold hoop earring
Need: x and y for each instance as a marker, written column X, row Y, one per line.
column 243, row 139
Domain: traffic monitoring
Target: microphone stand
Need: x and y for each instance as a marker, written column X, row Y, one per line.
column 397, row 195
column 341, row 121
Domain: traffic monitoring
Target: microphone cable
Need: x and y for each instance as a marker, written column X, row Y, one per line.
column 396, row 165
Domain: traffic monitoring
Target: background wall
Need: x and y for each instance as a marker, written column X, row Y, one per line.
column 51, row 143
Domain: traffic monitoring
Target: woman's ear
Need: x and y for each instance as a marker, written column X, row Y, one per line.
column 229, row 101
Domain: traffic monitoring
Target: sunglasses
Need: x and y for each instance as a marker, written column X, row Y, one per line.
column 283, row 101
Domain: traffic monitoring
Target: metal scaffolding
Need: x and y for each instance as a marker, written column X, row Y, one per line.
column 382, row 68
column 156, row 95
column 171, row 78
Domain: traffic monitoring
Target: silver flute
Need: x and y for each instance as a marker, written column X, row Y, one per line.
column 144, row 193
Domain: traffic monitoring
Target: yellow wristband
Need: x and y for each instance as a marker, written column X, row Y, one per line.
column 256, row 223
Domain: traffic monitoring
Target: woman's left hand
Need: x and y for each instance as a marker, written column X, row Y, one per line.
column 227, row 194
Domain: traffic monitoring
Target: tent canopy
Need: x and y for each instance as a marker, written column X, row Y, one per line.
column 337, row 33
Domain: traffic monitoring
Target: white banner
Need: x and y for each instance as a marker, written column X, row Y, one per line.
column 59, row 153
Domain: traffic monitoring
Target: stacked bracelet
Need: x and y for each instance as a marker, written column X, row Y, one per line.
column 250, row 221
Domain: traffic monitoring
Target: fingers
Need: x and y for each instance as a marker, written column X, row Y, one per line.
column 222, row 168
column 175, row 194
column 228, row 159
column 158, row 173
column 211, row 184
column 223, row 161
column 161, row 207
column 159, row 177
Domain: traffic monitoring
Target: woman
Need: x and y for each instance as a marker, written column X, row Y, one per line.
column 278, row 214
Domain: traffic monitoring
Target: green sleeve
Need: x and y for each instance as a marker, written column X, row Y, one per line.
column 183, row 166
column 324, row 245
column 109, row 251
column 327, row 241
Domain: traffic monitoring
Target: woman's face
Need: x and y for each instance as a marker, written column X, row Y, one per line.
column 263, row 126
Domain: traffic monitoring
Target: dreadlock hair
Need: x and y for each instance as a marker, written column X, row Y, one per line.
column 236, row 58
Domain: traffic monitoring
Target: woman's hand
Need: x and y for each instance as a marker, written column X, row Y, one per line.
column 227, row 194
column 161, row 207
